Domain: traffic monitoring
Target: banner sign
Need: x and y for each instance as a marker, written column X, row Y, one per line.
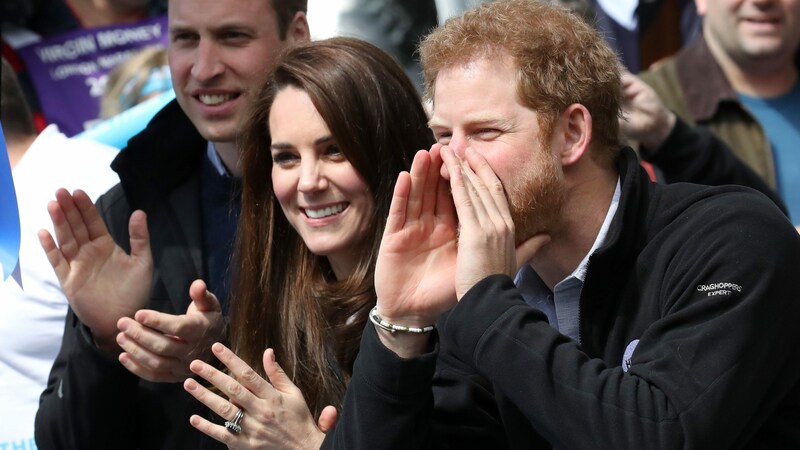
column 9, row 217
column 116, row 131
column 69, row 71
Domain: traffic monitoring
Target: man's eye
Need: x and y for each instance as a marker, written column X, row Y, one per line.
column 443, row 138
column 235, row 35
column 488, row 133
column 182, row 37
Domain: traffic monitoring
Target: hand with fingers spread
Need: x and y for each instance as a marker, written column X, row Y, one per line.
column 276, row 415
column 414, row 273
column 486, row 240
column 159, row 347
column 101, row 281
column 645, row 118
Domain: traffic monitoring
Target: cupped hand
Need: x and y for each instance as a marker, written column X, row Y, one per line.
column 276, row 415
column 415, row 268
column 159, row 347
column 101, row 282
column 486, row 242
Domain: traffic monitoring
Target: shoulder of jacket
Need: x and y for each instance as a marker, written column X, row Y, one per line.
column 741, row 207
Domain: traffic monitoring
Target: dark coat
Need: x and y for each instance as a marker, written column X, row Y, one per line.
column 91, row 400
column 688, row 331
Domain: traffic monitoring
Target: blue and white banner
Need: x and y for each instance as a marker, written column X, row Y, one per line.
column 116, row 130
column 9, row 217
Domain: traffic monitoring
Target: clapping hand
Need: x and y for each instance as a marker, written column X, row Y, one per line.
column 101, row 282
column 275, row 414
column 159, row 346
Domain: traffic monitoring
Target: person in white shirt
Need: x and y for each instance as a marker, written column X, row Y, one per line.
column 33, row 314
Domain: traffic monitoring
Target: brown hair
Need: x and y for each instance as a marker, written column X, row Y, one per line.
column 560, row 60
column 285, row 11
column 285, row 297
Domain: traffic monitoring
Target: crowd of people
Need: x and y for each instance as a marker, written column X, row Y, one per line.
column 544, row 250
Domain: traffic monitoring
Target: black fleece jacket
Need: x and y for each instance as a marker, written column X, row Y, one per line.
column 689, row 328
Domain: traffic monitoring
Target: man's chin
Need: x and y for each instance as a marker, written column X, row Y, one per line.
column 216, row 134
column 215, row 129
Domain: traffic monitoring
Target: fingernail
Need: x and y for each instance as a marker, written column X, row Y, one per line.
column 191, row 385
column 123, row 326
column 140, row 316
column 196, row 366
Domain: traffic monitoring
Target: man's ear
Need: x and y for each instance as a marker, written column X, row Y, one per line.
column 298, row 29
column 702, row 7
column 576, row 125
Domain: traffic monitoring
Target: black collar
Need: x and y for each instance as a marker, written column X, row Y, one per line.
column 160, row 157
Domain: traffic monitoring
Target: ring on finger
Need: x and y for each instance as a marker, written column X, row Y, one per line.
column 234, row 426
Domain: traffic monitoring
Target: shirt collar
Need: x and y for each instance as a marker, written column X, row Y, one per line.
column 702, row 80
column 216, row 161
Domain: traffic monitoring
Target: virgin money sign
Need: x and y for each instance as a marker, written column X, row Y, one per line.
column 69, row 71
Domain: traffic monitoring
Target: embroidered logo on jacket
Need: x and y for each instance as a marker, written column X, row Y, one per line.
column 714, row 289
column 626, row 357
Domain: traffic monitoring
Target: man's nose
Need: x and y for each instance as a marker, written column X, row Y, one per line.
column 459, row 143
column 207, row 63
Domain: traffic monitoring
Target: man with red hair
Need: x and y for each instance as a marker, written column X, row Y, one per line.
column 577, row 304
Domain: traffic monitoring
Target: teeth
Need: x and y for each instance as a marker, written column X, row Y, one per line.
column 214, row 99
column 325, row 212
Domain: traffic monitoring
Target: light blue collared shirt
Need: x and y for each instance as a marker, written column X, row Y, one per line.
column 562, row 306
column 216, row 161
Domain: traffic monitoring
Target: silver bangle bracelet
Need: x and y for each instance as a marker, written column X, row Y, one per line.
column 390, row 327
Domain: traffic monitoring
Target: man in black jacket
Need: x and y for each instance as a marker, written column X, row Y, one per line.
column 644, row 316
column 127, row 271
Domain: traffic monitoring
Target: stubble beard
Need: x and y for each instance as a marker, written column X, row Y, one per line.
column 536, row 204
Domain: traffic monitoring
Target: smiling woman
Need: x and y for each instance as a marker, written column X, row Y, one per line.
column 334, row 126
column 321, row 194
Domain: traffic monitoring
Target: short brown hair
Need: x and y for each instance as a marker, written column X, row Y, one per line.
column 560, row 60
column 285, row 11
